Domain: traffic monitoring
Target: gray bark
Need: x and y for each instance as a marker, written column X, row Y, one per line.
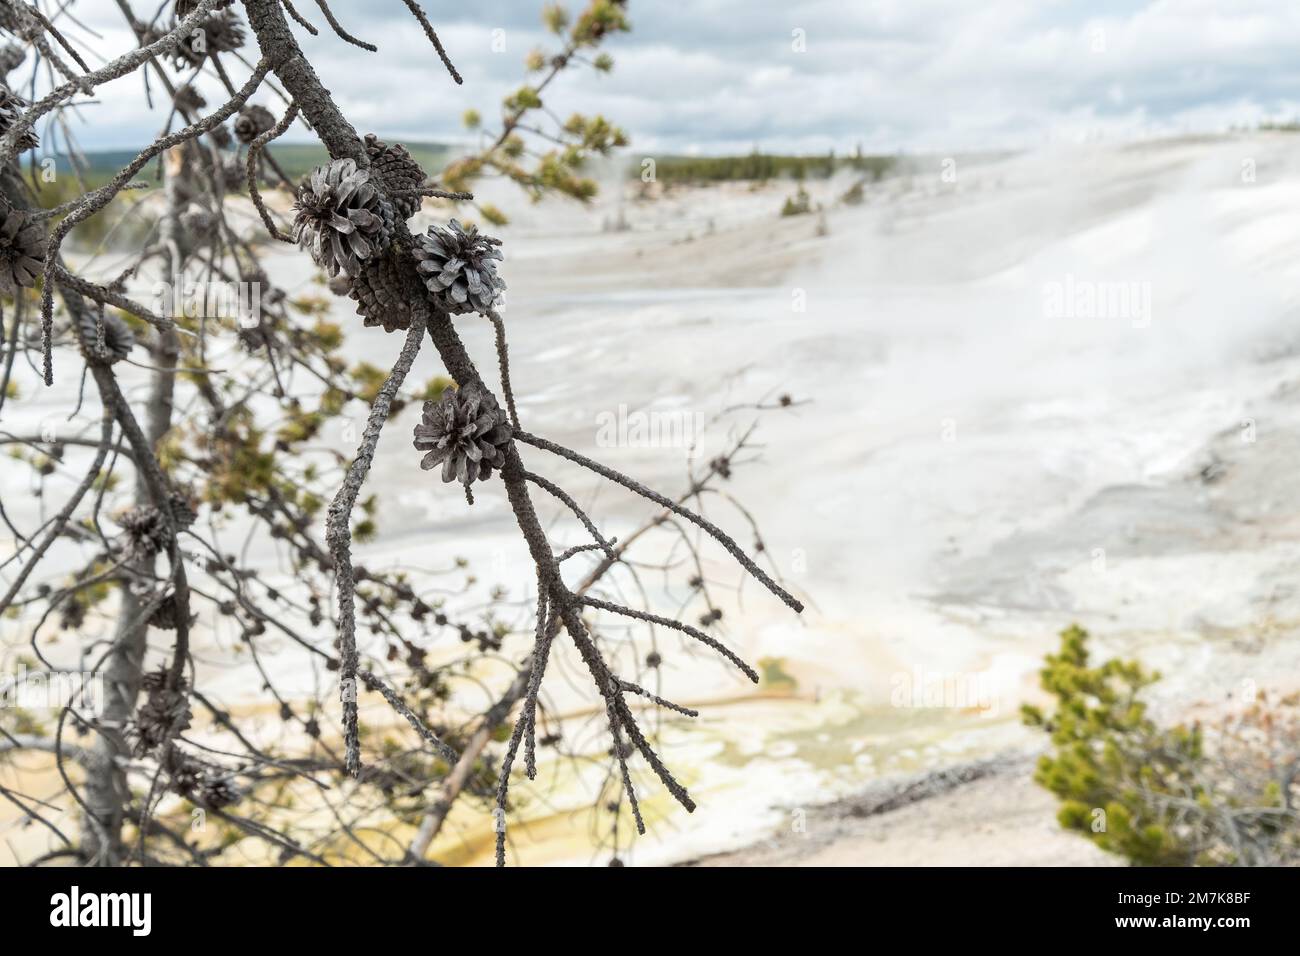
column 107, row 791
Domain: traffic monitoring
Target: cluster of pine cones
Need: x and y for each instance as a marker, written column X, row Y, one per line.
column 204, row 784
column 345, row 217
column 164, row 713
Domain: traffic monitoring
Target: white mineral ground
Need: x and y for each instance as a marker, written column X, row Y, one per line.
column 973, row 472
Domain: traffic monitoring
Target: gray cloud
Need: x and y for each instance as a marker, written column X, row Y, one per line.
column 726, row 75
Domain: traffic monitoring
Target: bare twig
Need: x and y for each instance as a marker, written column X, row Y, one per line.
column 254, row 150
column 433, row 38
column 338, row 535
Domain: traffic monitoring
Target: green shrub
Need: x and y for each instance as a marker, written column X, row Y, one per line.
column 797, row 205
column 1178, row 796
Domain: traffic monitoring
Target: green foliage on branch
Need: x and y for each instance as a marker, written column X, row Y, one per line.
column 529, row 148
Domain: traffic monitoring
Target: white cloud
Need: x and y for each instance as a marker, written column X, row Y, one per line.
column 721, row 75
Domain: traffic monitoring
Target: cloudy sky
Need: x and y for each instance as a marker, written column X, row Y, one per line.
column 728, row 75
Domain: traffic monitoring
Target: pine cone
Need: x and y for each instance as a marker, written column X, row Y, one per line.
column 167, row 615
column 457, row 267
column 188, row 99
column 164, row 713
column 22, row 249
column 340, row 284
column 12, row 56
column 182, row 508
column 379, row 296
column 185, row 773
column 217, row 792
column 220, row 134
column 466, row 432
column 144, row 530
column 153, row 680
column 118, row 337
column 340, row 219
column 186, row 777
column 16, row 20
column 72, row 616
column 197, row 222
column 252, row 122
column 252, row 339
column 397, row 173
column 234, row 174
column 11, row 106
column 218, row 33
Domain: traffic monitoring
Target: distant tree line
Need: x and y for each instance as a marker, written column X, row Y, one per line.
column 759, row 166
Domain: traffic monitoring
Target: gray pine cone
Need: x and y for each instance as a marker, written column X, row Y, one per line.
column 156, row 679
column 164, row 713
column 220, row 134
column 72, row 616
column 466, row 432
column 252, row 122
column 167, row 615
column 233, row 173
column 458, row 268
column 197, row 222
column 182, row 508
column 340, row 219
column 11, row 106
column 12, row 56
column 16, row 20
column 217, row 792
column 22, row 249
column 252, row 339
column 379, row 296
column 189, row 99
column 118, row 337
column 218, row 33
column 185, row 773
column 400, row 176
column 144, row 531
